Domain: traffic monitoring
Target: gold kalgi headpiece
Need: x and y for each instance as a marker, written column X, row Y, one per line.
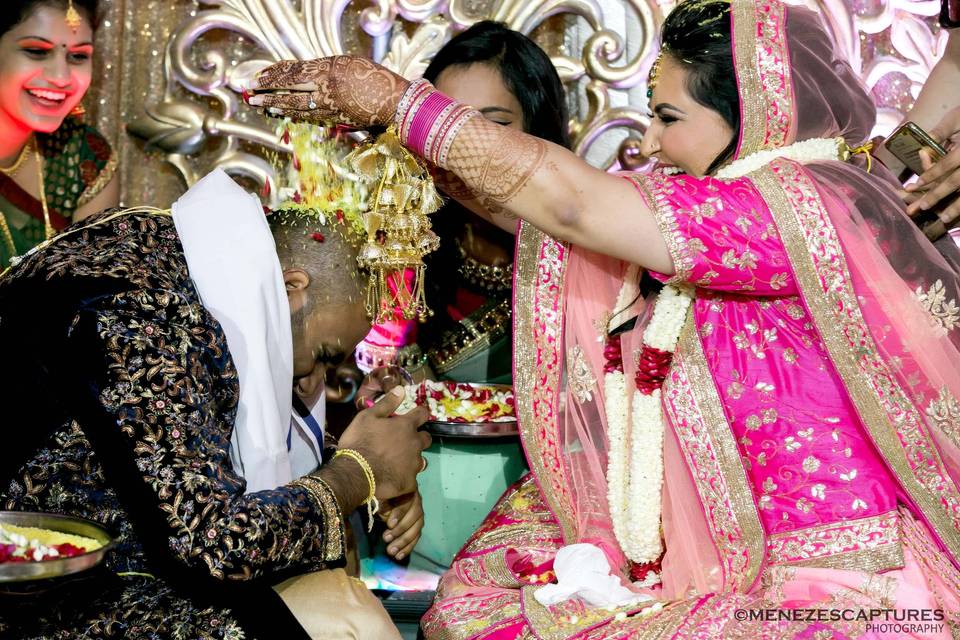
column 380, row 196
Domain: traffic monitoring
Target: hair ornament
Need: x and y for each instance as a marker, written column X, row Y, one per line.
column 654, row 76
column 73, row 18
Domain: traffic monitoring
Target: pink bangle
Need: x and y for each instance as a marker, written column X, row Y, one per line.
column 414, row 93
column 427, row 114
column 428, row 121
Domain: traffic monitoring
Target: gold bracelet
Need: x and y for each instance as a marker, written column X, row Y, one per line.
column 373, row 505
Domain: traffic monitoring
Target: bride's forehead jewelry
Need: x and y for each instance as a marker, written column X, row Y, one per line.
column 654, row 76
column 73, row 17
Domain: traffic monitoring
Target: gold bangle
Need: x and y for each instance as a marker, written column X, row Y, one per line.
column 373, row 505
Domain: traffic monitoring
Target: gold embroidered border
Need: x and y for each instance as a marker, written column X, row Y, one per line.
column 819, row 263
column 486, row 570
column 565, row 619
column 655, row 626
column 875, row 560
column 651, row 188
column 698, row 418
column 468, row 616
column 708, row 621
column 928, row 555
column 496, row 566
column 865, row 544
column 537, row 363
column 334, row 536
column 103, row 179
column 763, row 74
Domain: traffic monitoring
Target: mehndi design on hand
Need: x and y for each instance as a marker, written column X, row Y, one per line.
column 347, row 90
column 494, row 162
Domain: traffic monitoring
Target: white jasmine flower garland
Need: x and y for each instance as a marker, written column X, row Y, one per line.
column 635, row 453
column 813, row 150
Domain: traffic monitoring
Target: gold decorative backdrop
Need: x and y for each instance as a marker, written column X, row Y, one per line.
column 175, row 67
column 129, row 73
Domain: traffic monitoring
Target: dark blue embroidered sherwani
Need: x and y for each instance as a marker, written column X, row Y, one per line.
column 119, row 397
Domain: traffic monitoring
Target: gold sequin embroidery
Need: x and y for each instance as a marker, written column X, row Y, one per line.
column 579, row 376
column 944, row 313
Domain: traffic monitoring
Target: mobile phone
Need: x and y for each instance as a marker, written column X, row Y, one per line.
column 906, row 142
column 950, row 14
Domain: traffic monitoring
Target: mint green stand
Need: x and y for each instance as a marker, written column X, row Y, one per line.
column 463, row 480
column 466, row 477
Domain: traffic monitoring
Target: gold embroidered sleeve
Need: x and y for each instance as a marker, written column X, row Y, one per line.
column 669, row 228
column 325, row 502
column 162, row 392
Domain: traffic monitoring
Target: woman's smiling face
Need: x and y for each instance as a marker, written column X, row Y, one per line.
column 45, row 69
column 682, row 132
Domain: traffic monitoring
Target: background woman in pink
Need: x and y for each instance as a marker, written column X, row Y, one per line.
column 811, row 442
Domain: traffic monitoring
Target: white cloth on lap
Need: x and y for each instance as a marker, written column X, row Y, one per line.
column 583, row 572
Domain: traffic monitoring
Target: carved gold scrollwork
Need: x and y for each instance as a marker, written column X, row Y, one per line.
column 199, row 122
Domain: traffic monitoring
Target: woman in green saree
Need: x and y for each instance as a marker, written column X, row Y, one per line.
column 54, row 169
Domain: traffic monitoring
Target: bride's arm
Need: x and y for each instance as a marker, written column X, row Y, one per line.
column 503, row 171
column 511, row 175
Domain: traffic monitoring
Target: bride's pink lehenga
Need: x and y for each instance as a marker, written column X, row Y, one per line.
column 811, row 456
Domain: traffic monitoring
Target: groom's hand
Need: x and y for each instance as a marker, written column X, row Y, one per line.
column 390, row 443
column 348, row 90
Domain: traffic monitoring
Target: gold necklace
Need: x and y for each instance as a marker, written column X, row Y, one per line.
column 7, row 236
column 15, row 167
column 48, row 229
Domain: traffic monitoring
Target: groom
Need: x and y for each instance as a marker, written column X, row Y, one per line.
column 121, row 395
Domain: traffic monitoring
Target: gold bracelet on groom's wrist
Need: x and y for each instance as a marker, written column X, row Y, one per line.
column 373, row 505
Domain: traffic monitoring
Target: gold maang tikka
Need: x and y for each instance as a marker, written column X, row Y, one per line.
column 654, row 76
column 73, row 17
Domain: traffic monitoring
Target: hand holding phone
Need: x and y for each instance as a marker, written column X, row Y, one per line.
column 936, row 193
column 906, row 143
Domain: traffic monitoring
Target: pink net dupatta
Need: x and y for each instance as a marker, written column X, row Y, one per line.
column 562, row 303
column 886, row 303
column 562, row 290
column 883, row 299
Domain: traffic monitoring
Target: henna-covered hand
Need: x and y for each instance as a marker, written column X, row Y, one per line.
column 347, row 90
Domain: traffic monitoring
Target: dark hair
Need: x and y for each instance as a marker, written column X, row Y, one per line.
column 528, row 74
column 526, row 70
column 697, row 35
column 19, row 10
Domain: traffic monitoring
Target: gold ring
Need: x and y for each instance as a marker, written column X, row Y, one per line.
column 423, row 464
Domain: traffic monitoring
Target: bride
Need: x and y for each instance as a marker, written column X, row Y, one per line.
column 781, row 428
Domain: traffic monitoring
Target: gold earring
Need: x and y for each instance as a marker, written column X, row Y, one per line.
column 73, row 17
